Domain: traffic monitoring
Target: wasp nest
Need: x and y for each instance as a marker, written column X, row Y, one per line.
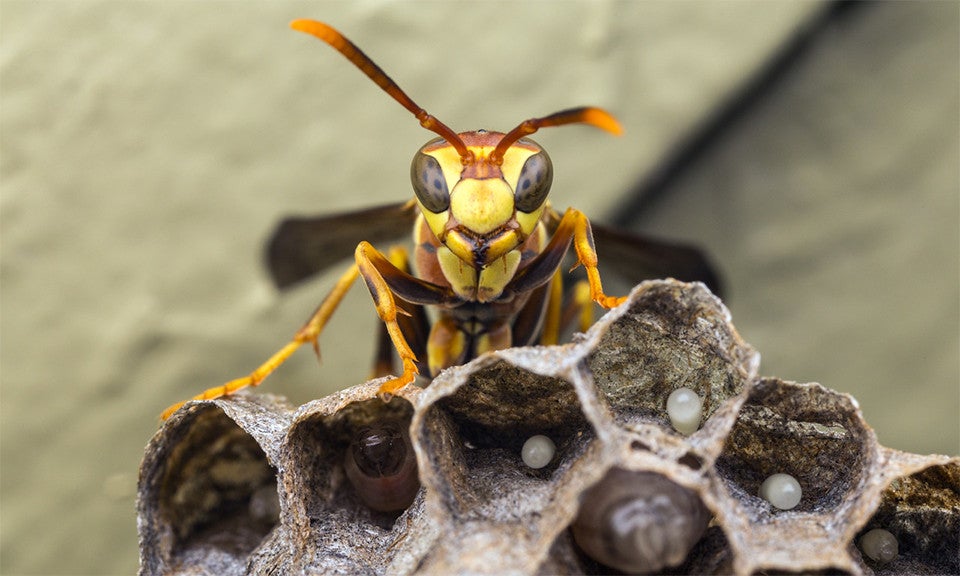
column 553, row 460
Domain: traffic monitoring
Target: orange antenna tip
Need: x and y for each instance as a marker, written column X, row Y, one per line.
column 584, row 115
column 314, row 28
column 603, row 120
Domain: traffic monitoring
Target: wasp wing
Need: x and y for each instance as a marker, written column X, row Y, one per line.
column 302, row 247
column 635, row 258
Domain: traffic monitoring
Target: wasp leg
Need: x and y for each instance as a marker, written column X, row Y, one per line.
column 528, row 325
column 413, row 324
column 579, row 307
column 552, row 323
column 383, row 357
column 383, row 280
column 559, row 317
column 574, row 223
column 583, row 303
column 572, row 228
column 308, row 333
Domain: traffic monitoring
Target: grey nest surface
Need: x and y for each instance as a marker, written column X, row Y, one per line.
column 435, row 481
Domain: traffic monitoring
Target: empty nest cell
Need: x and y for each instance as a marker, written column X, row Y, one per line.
column 215, row 493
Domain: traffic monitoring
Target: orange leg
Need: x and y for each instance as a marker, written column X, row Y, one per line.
column 579, row 307
column 572, row 227
column 373, row 266
column 587, row 256
column 552, row 324
column 582, row 302
column 308, row 333
column 415, row 326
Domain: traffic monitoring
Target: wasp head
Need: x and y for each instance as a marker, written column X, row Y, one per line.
column 486, row 206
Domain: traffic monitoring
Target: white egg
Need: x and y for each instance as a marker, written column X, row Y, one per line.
column 538, row 451
column 685, row 409
column 781, row 490
column 880, row 545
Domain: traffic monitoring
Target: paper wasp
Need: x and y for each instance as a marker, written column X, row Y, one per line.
column 488, row 247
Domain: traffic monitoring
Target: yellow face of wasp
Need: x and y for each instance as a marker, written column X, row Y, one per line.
column 481, row 211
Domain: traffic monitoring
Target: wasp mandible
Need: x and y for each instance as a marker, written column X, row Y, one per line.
column 487, row 252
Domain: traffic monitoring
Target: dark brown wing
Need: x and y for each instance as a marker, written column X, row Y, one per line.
column 636, row 258
column 302, row 247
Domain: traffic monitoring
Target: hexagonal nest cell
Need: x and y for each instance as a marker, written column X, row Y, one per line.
column 437, row 480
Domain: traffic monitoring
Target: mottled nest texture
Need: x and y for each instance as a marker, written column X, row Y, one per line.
column 434, row 481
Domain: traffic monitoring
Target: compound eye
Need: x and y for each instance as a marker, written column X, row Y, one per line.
column 429, row 184
column 534, row 182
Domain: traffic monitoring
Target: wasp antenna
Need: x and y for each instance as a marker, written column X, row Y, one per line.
column 343, row 45
column 586, row 115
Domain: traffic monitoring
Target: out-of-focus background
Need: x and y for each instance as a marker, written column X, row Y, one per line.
column 147, row 149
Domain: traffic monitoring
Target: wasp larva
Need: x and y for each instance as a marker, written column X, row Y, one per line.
column 382, row 466
column 639, row 522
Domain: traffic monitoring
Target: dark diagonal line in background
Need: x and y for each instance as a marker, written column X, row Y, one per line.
column 652, row 187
